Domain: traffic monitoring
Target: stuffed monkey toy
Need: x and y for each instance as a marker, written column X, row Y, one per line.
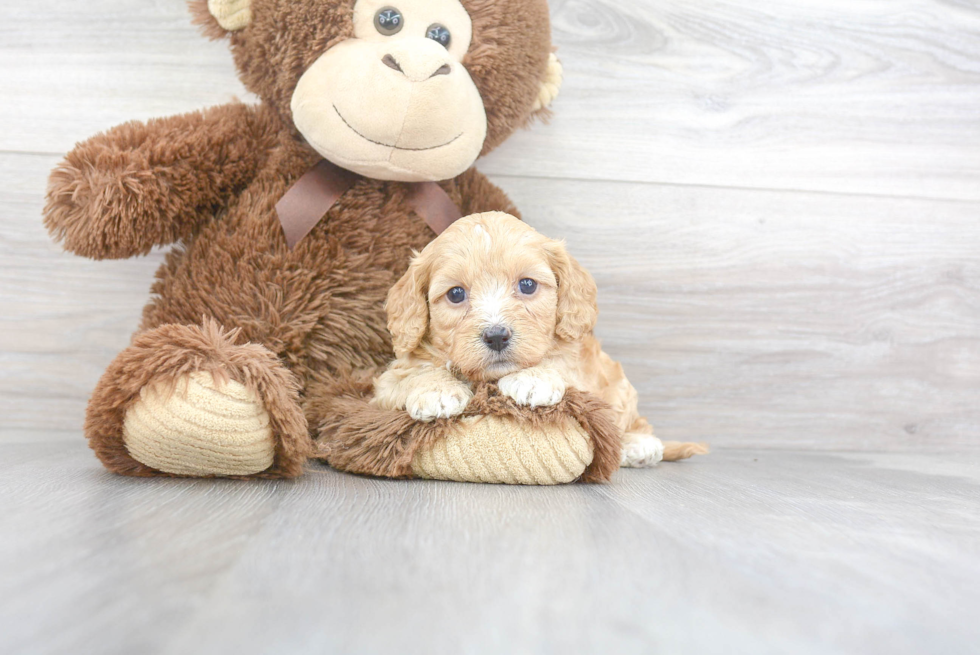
column 291, row 219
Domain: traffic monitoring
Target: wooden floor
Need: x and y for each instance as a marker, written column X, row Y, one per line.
column 780, row 202
column 741, row 552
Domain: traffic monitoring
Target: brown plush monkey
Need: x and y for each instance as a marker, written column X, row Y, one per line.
column 398, row 92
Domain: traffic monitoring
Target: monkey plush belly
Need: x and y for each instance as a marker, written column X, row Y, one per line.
column 319, row 305
column 328, row 315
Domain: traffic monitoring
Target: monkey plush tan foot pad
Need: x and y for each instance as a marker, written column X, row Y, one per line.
column 200, row 428
column 495, row 440
column 187, row 400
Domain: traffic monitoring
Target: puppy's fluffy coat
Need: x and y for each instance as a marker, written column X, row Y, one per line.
column 493, row 300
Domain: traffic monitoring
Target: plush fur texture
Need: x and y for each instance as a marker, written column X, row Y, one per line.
column 209, row 181
column 358, row 437
column 140, row 185
column 165, row 354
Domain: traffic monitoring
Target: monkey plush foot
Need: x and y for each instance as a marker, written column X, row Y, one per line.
column 496, row 440
column 199, row 427
column 186, row 400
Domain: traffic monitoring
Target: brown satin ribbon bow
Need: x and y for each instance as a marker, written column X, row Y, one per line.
column 309, row 200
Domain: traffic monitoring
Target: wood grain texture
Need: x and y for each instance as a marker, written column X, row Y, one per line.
column 744, row 318
column 69, row 70
column 831, row 95
column 855, row 96
column 784, row 319
column 738, row 552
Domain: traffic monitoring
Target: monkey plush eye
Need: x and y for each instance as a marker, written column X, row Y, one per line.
column 388, row 21
column 439, row 34
column 527, row 286
column 456, row 295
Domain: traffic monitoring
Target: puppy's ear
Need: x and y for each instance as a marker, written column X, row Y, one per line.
column 577, row 310
column 408, row 307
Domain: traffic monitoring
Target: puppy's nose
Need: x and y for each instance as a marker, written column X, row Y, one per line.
column 497, row 338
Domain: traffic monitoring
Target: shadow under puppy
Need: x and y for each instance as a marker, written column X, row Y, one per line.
column 491, row 300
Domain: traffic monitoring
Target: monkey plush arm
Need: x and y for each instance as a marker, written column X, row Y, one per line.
column 478, row 195
column 141, row 185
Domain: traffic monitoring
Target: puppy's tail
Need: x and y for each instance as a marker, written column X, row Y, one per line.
column 675, row 450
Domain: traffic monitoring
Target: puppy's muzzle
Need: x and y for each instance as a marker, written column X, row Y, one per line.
column 497, row 338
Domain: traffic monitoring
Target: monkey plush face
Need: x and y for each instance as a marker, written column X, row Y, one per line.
column 402, row 90
column 394, row 101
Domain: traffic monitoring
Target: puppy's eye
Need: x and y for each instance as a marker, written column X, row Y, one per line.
column 388, row 21
column 456, row 295
column 527, row 286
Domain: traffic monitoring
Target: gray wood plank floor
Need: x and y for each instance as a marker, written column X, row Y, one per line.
column 740, row 552
column 780, row 203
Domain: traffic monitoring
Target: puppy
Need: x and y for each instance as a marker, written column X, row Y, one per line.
column 492, row 300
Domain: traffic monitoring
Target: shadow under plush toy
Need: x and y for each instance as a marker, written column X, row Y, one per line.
column 293, row 217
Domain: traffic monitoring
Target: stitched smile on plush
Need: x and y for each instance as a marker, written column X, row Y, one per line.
column 394, row 102
column 354, row 130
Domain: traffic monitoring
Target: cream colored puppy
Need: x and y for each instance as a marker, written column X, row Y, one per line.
column 492, row 300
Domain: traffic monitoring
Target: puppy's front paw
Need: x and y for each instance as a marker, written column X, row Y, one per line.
column 641, row 451
column 533, row 387
column 430, row 403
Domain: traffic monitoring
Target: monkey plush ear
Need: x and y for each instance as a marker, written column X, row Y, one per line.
column 222, row 16
column 408, row 307
column 231, row 14
column 550, row 85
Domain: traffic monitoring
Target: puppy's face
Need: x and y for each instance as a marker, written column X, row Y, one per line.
column 493, row 300
column 490, row 297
